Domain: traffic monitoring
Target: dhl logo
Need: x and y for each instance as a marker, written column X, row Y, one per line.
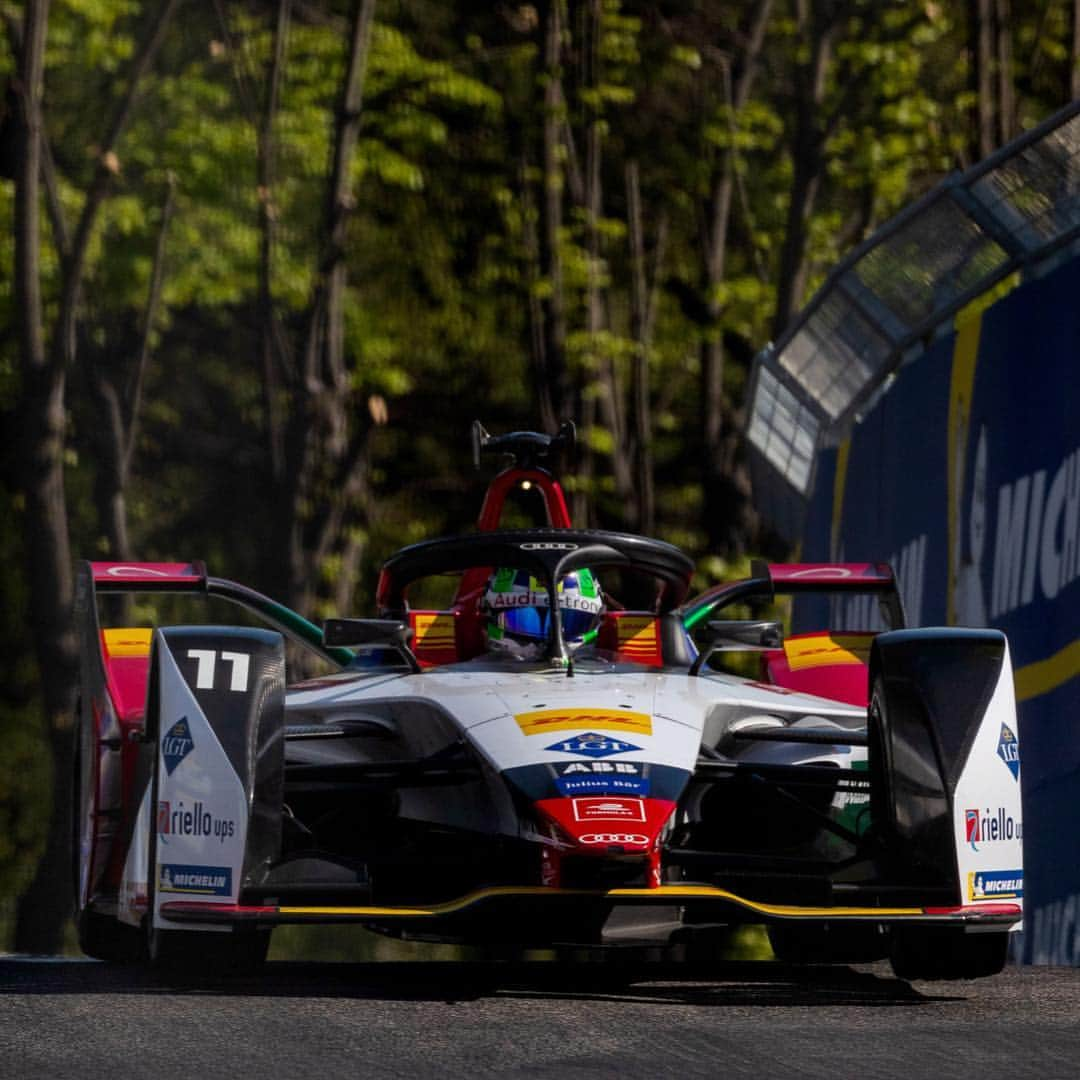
column 434, row 631
column 545, row 720
column 127, row 642
column 638, row 639
column 825, row 650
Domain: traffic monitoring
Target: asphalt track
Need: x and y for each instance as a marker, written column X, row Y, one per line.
column 77, row 1018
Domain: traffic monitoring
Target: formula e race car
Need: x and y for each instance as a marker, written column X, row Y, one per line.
column 531, row 744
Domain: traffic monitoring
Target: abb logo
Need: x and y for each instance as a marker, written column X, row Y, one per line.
column 613, row 838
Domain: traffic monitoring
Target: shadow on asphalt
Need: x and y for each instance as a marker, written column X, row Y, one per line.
column 745, row 984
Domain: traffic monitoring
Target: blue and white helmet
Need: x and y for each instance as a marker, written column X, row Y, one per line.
column 516, row 604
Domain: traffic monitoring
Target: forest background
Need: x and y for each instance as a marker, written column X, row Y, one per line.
column 263, row 261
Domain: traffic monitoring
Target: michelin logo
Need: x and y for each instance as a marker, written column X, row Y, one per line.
column 197, row 880
column 995, row 885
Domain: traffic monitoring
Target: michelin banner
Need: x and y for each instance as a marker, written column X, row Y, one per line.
column 966, row 477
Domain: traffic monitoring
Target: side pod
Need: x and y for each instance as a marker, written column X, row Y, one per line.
column 944, row 762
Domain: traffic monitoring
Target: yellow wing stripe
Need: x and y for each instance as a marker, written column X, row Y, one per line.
column 664, row 892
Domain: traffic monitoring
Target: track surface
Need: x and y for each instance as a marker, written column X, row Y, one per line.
column 74, row 1018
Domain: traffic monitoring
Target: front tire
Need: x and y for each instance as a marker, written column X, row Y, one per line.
column 828, row 943
column 199, row 952
column 947, row 953
column 104, row 938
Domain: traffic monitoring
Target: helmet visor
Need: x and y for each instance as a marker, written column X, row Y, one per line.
column 533, row 622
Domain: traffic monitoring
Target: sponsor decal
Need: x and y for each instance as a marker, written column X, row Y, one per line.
column 612, row 838
column 609, row 809
column 601, row 778
column 127, row 642
column 639, row 639
column 200, row 880
column 547, row 546
column 1008, row 750
column 135, row 571
column 601, row 785
column 990, row 826
column 995, row 884
column 582, row 768
column 434, row 631
column 593, row 745
column 176, row 745
column 536, row 723
column 195, row 821
column 825, row 650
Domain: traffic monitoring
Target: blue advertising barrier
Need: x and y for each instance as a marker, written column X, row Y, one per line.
column 966, row 476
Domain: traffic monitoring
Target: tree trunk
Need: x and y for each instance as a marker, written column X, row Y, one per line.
column 552, row 382
column 119, row 398
column 1006, row 96
column 717, row 508
column 643, row 316
column 44, row 906
column 324, row 453
column 981, row 38
column 271, row 339
column 1074, row 53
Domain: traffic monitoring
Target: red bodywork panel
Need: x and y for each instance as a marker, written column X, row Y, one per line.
column 831, row 665
column 173, row 576
column 606, row 825
column 789, row 577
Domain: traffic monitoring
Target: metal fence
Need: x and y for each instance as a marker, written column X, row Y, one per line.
column 878, row 307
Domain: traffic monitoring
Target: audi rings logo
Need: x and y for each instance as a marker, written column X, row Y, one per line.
column 547, row 545
column 613, row 838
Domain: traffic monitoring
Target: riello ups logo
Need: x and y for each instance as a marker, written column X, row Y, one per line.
column 195, row 821
column 990, row 826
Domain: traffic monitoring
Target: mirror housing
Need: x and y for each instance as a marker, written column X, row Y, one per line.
column 368, row 633
column 738, row 635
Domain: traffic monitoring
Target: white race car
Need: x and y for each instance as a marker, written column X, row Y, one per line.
column 548, row 746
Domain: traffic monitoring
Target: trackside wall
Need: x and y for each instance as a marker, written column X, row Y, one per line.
column 966, row 475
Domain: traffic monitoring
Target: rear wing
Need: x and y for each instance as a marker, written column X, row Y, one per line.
column 191, row 577
column 147, row 577
column 769, row 580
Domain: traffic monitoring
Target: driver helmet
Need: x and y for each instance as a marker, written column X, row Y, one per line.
column 516, row 604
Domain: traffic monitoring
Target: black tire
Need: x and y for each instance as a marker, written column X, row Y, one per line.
column 101, row 937
column 828, row 943
column 947, row 953
column 241, row 951
column 104, row 938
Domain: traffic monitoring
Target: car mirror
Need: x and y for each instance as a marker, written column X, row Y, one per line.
column 737, row 635
column 367, row 633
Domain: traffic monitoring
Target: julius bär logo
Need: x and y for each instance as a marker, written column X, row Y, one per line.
column 176, row 745
column 1009, row 750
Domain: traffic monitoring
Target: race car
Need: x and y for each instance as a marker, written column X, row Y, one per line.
column 541, row 751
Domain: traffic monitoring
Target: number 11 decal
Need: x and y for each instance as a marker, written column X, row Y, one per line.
column 239, row 664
